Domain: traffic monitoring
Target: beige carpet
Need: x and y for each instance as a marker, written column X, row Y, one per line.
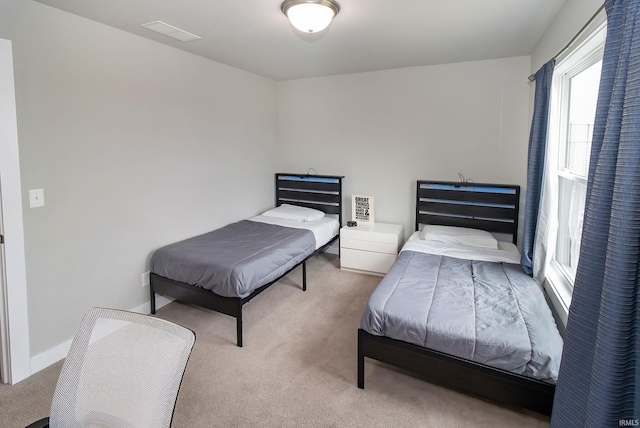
column 297, row 368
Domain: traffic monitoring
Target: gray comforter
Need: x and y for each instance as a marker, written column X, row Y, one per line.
column 488, row 312
column 234, row 260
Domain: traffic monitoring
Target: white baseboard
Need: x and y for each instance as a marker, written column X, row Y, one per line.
column 145, row 308
column 59, row 352
column 49, row 357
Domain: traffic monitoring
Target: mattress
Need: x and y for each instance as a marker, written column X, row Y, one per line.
column 485, row 311
column 324, row 229
column 235, row 260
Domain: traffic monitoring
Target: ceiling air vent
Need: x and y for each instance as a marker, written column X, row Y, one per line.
column 170, row 31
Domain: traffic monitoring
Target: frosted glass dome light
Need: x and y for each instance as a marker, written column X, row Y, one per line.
column 310, row 16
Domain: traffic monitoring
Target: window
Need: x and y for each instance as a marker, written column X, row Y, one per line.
column 574, row 96
column 581, row 87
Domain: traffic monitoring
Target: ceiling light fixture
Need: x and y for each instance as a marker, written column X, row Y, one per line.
column 310, row 16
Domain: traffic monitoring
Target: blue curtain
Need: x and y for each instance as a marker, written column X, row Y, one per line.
column 599, row 381
column 536, row 161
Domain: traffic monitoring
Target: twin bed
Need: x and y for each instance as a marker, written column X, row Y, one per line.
column 226, row 268
column 456, row 306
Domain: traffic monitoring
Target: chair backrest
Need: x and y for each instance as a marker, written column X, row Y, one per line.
column 123, row 370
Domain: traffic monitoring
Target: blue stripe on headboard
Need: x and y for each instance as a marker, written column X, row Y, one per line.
column 308, row 178
column 469, row 187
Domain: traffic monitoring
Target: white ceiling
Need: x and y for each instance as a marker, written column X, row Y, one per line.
column 367, row 35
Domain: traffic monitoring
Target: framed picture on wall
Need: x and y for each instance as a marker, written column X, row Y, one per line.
column 362, row 208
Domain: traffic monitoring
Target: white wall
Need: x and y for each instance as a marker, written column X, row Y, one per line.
column 136, row 145
column 385, row 130
column 571, row 18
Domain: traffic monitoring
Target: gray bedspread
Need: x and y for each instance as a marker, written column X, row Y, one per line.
column 487, row 312
column 236, row 259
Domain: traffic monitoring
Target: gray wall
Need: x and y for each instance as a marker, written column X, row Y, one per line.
column 385, row 130
column 136, row 145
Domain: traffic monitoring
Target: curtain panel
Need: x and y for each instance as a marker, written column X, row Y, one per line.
column 599, row 381
column 536, row 162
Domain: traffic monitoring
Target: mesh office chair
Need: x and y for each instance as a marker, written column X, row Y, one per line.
column 123, row 370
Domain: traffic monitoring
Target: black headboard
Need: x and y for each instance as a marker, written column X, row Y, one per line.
column 491, row 207
column 322, row 192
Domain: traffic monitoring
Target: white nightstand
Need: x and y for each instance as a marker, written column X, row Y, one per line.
column 369, row 248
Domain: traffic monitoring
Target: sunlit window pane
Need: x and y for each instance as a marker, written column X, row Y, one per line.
column 583, row 97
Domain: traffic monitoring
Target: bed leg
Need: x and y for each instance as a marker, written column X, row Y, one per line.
column 304, row 275
column 360, row 361
column 152, row 299
column 239, row 326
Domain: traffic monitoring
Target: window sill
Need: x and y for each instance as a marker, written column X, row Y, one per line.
column 559, row 291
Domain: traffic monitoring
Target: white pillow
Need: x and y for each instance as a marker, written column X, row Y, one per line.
column 459, row 235
column 294, row 212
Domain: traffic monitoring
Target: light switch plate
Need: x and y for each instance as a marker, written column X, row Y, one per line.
column 36, row 198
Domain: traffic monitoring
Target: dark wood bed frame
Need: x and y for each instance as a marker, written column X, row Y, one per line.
column 322, row 192
column 491, row 207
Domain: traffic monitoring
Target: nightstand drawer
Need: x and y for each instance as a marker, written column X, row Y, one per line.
column 366, row 261
column 376, row 247
column 364, row 233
